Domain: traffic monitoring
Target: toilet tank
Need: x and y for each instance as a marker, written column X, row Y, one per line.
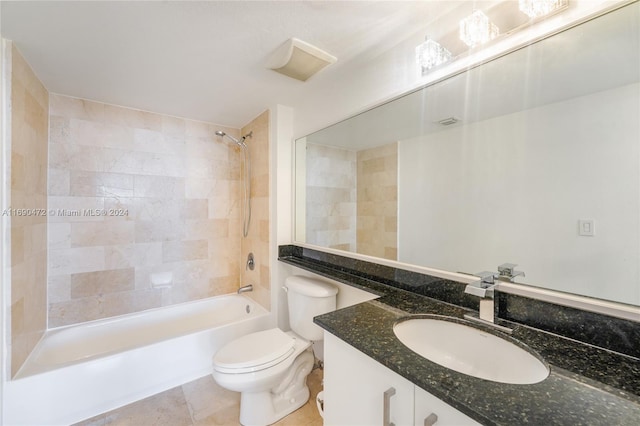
column 307, row 298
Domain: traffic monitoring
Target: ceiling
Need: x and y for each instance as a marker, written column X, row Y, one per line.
column 206, row 60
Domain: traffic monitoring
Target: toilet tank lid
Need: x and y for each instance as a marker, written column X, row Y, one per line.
column 311, row 287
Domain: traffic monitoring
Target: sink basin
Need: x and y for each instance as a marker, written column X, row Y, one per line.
column 453, row 344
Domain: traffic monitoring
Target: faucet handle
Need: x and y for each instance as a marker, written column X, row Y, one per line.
column 507, row 270
column 486, row 277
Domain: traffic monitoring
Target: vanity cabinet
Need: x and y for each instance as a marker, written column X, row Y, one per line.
column 354, row 387
column 430, row 410
column 360, row 391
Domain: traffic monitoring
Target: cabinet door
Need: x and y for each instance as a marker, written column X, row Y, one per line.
column 354, row 386
column 438, row 412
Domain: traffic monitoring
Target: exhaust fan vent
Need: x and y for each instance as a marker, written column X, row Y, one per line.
column 448, row 121
column 300, row 60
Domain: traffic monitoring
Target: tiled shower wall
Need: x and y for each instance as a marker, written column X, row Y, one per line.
column 29, row 117
column 331, row 197
column 377, row 222
column 145, row 211
column 257, row 240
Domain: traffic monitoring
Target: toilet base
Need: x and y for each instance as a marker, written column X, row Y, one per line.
column 265, row 408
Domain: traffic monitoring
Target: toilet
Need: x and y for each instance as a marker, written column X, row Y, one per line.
column 270, row 368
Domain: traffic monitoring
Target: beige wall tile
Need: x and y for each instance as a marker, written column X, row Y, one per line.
column 331, row 197
column 96, row 283
column 85, row 234
column 377, row 194
column 258, row 239
column 180, row 187
column 75, row 260
column 175, row 251
column 29, row 153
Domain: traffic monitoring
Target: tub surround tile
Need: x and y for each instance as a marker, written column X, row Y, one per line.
column 100, row 282
column 178, row 187
column 102, row 306
column 84, row 234
column 99, row 184
column 257, row 241
column 174, row 251
column 27, row 170
column 588, row 384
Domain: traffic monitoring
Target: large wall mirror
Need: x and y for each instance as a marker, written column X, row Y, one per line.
column 532, row 158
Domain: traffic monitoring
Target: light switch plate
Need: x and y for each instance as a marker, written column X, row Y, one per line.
column 586, row 227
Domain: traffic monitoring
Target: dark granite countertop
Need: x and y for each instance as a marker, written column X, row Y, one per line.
column 587, row 385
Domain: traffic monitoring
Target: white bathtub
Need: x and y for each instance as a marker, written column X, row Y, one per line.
column 80, row 371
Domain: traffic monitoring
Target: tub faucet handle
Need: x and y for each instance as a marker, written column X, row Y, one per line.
column 251, row 263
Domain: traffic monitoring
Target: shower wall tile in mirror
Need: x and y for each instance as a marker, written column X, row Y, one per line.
column 145, row 211
column 352, row 199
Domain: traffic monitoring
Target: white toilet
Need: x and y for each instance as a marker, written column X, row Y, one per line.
column 270, row 367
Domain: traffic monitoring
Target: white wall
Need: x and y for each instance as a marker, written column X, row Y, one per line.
column 281, row 128
column 528, row 178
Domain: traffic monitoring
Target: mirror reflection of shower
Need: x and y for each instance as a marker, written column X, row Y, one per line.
column 246, row 202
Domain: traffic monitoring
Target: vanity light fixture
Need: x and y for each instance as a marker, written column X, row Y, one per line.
column 430, row 54
column 477, row 29
column 537, row 8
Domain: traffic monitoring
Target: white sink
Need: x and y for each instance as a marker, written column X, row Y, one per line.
column 470, row 351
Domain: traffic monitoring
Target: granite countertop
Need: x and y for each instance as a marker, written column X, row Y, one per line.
column 587, row 384
column 594, row 360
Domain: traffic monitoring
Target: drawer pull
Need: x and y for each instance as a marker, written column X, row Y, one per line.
column 386, row 409
column 431, row 419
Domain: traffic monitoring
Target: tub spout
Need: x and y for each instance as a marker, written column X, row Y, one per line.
column 245, row 288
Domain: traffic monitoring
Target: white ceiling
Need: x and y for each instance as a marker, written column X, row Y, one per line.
column 206, row 60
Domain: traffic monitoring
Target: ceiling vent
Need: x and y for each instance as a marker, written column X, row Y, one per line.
column 448, row 121
column 300, row 60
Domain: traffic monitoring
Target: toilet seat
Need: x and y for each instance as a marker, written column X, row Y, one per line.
column 254, row 352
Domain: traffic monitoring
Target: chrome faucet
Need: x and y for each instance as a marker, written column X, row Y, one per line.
column 245, row 288
column 482, row 288
column 485, row 289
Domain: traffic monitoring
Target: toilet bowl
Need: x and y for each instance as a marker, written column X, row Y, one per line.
column 271, row 375
column 270, row 368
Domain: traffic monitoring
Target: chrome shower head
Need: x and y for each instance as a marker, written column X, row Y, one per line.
column 223, row 134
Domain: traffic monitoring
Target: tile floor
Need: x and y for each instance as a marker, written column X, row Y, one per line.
column 201, row 403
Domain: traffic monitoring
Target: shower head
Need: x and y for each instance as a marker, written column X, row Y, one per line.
column 236, row 141
column 223, row 134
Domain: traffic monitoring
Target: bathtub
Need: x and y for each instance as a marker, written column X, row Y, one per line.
column 79, row 371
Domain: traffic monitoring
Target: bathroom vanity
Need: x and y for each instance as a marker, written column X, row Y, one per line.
column 359, row 391
column 372, row 378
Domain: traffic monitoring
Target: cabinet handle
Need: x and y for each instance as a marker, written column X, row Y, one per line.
column 386, row 409
column 431, row 419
